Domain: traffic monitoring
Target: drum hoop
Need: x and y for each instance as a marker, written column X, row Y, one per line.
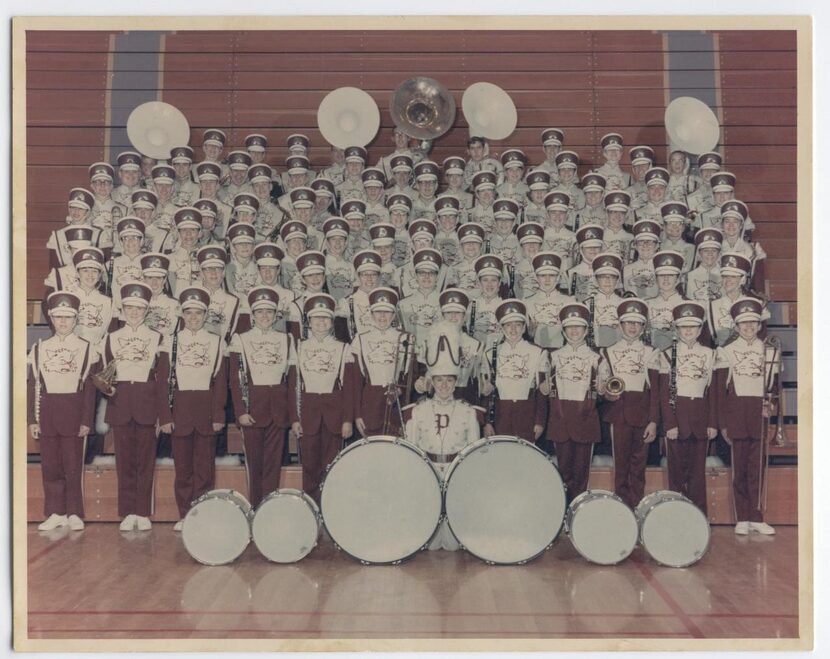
column 599, row 494
column 641, row 525
column 223, row 495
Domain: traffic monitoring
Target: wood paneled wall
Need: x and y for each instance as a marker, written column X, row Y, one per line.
column 587, row 83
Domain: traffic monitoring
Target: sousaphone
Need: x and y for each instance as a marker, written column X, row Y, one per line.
column 155, row 127
column 348, row 116
column 691, row 125
column 422, row 108
column 489, row 111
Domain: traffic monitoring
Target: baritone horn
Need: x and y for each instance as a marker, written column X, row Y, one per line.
column 348, row 116
column 422, row 108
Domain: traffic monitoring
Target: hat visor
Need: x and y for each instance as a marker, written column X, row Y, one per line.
column 212, row 263
column 302, row 204
column 513, row 317
column 546, row 270
column 747, row 316
column 79, row 204
column 666, row 270
column 242, row 239
column 337, row 233
column 732, row 272
column 382, row 306
column 260, row 179
column 632, row 318
column 63, row 313
column 606, row 271
column 163, row 180
column 264, row 304
column 557, row 207
column 274, row 263
column 256, row 148
column 130, row 232
column 485, row 186
column 189, row 224
column 382, row 242
column 153, row 272
column 90, row 264
column 472, row 239
column 722, row 188
column 312, row 270
column 573, row 322
column 134, row 302
column 213, row 141
column 617, row 207
column 488, row 271
column 453, row 306
column 193, row 304
column 592, row 242
column 77, row 244
column 101, row 177
column 208, row 177
column 688, row 322
column 295, row 234
column 320, row 313
column 427, row 265
column 368, row 267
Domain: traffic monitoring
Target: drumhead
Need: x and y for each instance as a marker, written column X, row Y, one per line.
column 505, row 500
column 216, row 530
column 602, row 528
column 285, row 526
column 675, row 532
column 381, row 500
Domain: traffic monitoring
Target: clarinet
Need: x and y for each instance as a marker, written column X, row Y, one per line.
column 491, row 403
column 304, row 328
column 590, row 340
column 487, row 245
column 110, row 268
column 173, row 380
column 38, row 386
column 471, row 326
column 243, row 383
column 511, row 278
column 673, row 375
column 552, row 379
column 572, row 291
column 351, row 319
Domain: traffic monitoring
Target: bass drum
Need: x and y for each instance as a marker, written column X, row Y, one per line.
column 673, row 530
column 381, row 500
column 217, row 528
column 504, row 500
column 286, row 526
column 603, row 529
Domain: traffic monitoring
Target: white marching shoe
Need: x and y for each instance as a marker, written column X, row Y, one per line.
column 177, row 527
column 52, row 522
column 128, row 523
column 75, row 523
column 143, row 523
column 742, row 528
column 761, row 527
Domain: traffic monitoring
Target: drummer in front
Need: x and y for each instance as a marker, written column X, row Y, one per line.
column 259, row 362
column 745, row 370
column 573, row 421
column 383, row 354
column 442, row 426
column 634, row 413
column 518, row 403
column 688, row 403
column 198, row 390
column 321, row 392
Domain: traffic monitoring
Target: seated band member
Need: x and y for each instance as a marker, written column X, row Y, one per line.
column 513, row 161
column 642, row 159
column 321, row 392
column 531, row 235
column 612, row 146
column 638, row 275
column 199, row 390
column 441, row 426
column 745, row 370
column 573, row 421
column 259, row 362
column 139, row 406
column 688, row 403
column 538, row 187
column 552, row 141
column 520, row 369
column 635, row 412
column 340, row 273
column 374, row 183
column 544, row 305
column 61, row 411
column 384, row 356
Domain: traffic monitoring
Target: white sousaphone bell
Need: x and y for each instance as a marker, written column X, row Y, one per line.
column 348, row 116
column 489, row 111
column 422, row 108
column 691, row 125
column 155, row 127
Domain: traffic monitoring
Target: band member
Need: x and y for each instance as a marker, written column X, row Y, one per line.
column 422, row 308
column 65, row 277
column 223, row 309
column 311, row 281
column 681, row 182
column 400, row 209
column 580, row 280
column 374, row 183
column 158, row 236
column 383, row 242
column 538, row 183
column 481, row 161
column 441, row 426
column 723, row 190
column 448, row 339
column 105, row 211
column 471, row 241
column 61, row 411
column 745, row 370
column 484, row 190
column 567, row 163
column 337, row 169
column 594, row 212
column 354, row 211
column 303, row 200
column 447, row 209
column 78, row 214
column 209, row 174
column 422, row 236
column 245, row 210
column 241, row 273
column 163, row 312
column 530, row 235
column 426, row 183
column 688, row 404
column 612, row 147
column 704, row 282
column 552, row 141
column 184, row 266
column 544, row 305
column 185, row 189
column 702, row 199
column 198, row 389
column 340, row 273
column 638, row 276
column 573, row 421
column 298, row 174
column 484, row 324
column 503, row 240
column 209, row 235
column 163, row 178
column 383, row 355
column 603, row 304
column 617, row 239
column 297, row 145
column 667, row 268
column 656, row 180
column 255, row 145
column 126, row 267
column 294, row 236
column 558, row 237
column 675, row 220
column 642, row 159
column 269, row 216
column 213, row 144
column 353, row 315
column 238, row 164
column 147, row 164
column 734, row 271
column 734, row 215
column 259, row 362
column 321, row 390
column 513, row 162
column 95, row 313
column 352, row 185
column 268, row 257
column 454, row 177
column 634, row 413
column 520, row 369
column 401, row 140
column 401, row 177
column 129, row 174
column 139, row 406
column 324, row 199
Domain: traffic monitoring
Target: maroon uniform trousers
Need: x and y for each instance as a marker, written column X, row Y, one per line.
column 61, row 450
column 264, row 442
column 370, row 405
column 517, row 417
column 132, row 412
column 628, row 417
column 686, row 455
column 573, row 427
column 194, row 440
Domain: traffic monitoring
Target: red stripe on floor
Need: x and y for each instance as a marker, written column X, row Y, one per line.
column 693, row 629
column 46, row 550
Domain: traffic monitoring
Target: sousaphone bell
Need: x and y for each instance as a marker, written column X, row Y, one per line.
column 691, row 125
column 489, row 111
column 422, row 108
column 155, row 128
column 348, row 116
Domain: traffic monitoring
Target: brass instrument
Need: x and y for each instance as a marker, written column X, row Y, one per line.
column 422, row 108
column 773, row 401
column 590, row 339
column 243, row 382
column 392, row 393
column 673, row 375
column 105, row 380
column 154, row 128
column 615, row 386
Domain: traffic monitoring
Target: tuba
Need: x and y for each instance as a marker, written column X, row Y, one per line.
column 422, row 108
column 348, row 116
column 691, row 125
column 105, row 380
column 155, row 128
column 489, row 111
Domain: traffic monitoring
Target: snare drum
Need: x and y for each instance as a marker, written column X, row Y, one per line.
column 217, row 527
column 504, row 500
column 381, row 500
column 672, row 529
column 286, row 526
column 603, row 529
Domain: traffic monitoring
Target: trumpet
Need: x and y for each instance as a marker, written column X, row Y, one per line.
column 615, row 386
column 105, row 380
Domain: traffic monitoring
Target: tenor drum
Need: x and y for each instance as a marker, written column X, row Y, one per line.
column 504, row 500
column 672, row 529
column 286, row 526
column 381, row 500
column 217, row 528
column 603, row 529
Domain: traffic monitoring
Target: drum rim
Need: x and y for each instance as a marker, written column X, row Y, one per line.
column 502, row 439
column 684, row 499
column 202, row 499
column 288, row 493
column 384, row 440
column 571, row 512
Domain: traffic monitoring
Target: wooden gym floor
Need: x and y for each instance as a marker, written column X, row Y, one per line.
column 101, row 583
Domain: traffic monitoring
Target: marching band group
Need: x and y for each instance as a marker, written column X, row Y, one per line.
column 436, row 303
